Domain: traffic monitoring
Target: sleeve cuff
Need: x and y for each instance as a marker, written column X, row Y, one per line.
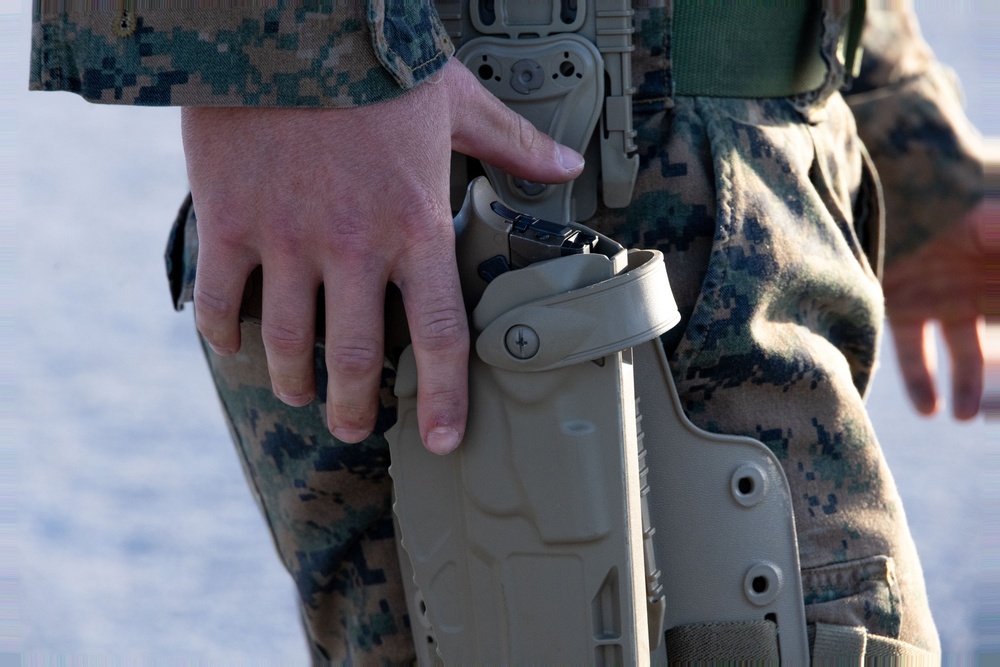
column 313, row 53
column 928, row 156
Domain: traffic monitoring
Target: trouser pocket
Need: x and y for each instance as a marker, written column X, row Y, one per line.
column 857, row 593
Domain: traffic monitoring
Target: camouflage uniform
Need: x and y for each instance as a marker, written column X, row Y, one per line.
column 760, row 206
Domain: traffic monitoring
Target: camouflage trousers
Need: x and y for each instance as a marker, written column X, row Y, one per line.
column 757, row 208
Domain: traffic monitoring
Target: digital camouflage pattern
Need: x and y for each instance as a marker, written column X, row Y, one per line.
column 781, row 317
column 327, row 505
column 757, row 206
column 287, row 53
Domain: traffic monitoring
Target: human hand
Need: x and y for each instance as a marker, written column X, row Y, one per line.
column 351, row 199
column 944, row 281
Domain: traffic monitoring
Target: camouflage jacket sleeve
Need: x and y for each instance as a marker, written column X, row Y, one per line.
column 301, row 53
column 910, row 116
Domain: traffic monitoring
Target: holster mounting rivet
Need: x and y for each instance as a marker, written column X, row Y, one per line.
column 762, row 583
column 521, row 341
column 748, row 484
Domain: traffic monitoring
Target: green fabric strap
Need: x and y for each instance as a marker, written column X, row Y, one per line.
column 746, row 49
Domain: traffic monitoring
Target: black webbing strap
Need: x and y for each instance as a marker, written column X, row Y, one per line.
column 748, row 642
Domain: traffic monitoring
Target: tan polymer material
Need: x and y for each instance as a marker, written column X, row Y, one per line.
column 721, row 507
column 568, row 75
column 525, row 544
column 532, row 542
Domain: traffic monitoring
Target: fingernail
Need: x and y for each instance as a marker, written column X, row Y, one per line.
column 442, row 440
column 569, row 159
column 349, row 435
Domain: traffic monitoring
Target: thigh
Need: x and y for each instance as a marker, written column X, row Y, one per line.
column 327, row 504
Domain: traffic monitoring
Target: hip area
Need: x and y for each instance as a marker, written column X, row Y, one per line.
column 760, row 209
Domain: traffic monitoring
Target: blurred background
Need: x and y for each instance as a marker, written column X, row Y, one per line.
column 127, row 534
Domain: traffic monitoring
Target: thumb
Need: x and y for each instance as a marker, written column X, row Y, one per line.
column 483, row 127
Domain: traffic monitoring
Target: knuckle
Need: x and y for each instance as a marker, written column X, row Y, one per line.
column 286, row 240
column 211, row 306
column 215, row 318
column 222, row 229
column 349, row 232
column 444, row 329
column 354, row 358
column 523, row 134
column 420, row 219
column 286, row 340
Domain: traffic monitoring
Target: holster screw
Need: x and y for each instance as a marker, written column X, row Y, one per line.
column 521, row 341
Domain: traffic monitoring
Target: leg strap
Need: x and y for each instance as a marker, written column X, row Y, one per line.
column 750, row 642
column 756, row 642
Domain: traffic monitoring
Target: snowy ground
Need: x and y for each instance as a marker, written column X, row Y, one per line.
column 126, row 532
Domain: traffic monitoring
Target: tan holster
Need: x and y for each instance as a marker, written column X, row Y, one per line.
column 538, row 539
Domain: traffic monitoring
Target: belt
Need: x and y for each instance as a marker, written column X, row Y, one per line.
column 755, row 49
